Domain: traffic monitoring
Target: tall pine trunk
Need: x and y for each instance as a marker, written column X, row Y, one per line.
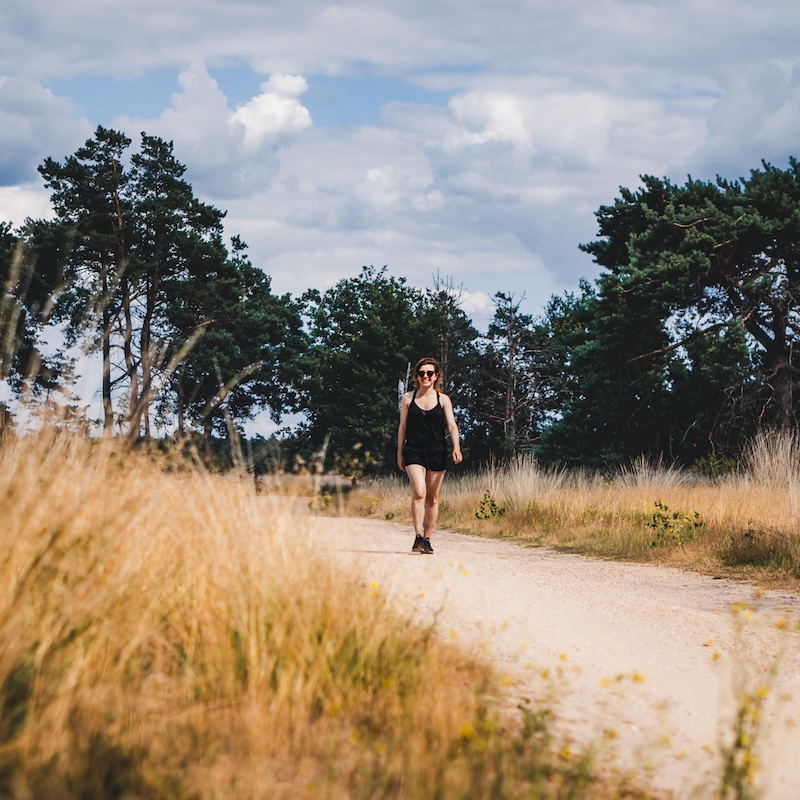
column 108, row 409
column 779, row 370
column 781, row 414
column 130, row 362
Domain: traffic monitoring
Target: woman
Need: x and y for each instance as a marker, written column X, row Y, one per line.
column 426, row 416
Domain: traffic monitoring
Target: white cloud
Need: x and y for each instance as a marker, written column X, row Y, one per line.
column 504, row 210
column 478, row 306
column 33, row 124
column 758, row 113
column 383, row 187
column 275, row 113
column 552, row 106
column 639, row 41
column 490, row 117
column 197, row 121
column 228, row 152
column 20, row 202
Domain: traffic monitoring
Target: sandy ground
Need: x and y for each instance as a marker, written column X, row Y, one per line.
column 649, row 653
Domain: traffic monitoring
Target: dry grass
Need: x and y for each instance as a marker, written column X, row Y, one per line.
column 165, row 633
column 742, row 525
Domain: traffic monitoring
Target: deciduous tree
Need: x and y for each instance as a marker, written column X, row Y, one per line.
column 364, row 331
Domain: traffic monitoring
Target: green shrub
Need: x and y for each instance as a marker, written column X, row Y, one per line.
column 673, row 527
column 489, row 509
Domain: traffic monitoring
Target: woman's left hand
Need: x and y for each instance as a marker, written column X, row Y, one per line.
column 457, row 457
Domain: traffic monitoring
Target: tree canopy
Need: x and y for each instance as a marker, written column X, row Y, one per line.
column 179, row 320
column 684, row 345
column 689, row 338
column 364, row 331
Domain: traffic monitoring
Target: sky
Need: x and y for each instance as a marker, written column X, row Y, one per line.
column 473, row 141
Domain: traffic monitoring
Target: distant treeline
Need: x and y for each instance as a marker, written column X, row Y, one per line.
column 681, row 350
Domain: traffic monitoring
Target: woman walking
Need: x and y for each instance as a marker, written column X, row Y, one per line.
column 426, row 416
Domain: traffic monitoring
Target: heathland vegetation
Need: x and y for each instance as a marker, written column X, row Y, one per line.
column 170, row 632
column 683, row 349
column 740, row 524
column 165, row 630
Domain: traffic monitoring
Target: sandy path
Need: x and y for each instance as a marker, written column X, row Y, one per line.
column 647, row 652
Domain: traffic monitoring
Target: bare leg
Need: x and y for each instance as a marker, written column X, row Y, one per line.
column 417, row 478
column 433, row 483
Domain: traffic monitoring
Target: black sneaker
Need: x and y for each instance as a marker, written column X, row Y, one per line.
column 418, row 545
column 426, row 546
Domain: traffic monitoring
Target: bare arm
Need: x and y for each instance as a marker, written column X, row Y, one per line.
column 401, row 429
column 450, row 419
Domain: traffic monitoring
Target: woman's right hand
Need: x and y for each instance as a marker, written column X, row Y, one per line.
column 400, row 462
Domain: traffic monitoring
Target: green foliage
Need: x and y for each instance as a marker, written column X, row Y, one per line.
column 452, row 341
column 489, row 508
column 247, row 358
column 507, row 414
column 12, row 324
column 673, row 527
column 686, row 342
column 715, row 466
column 24, row 293
column 363, row 331
column 757, row 547
column 142, row 269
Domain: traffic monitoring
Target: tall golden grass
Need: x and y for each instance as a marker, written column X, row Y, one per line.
column 167, row 633
column 745, row 523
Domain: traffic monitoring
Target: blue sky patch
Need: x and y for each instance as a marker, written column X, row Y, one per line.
column 102, row 99
column 332, row 101
column 342, row 101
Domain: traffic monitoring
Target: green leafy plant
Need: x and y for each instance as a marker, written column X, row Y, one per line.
column 715, row 466
column 489, row 508
column 673, row 527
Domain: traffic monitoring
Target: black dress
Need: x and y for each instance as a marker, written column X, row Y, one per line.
column 425, row 436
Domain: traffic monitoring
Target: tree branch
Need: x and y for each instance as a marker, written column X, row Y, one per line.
column 676, row 345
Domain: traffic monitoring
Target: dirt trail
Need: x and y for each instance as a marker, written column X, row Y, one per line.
column 647, row 652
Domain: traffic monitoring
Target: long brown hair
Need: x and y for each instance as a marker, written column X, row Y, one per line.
column 437, row 383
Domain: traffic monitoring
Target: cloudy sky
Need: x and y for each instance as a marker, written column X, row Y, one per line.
column 470, row 139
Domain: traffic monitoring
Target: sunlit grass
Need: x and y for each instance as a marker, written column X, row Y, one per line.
column 740, row 524
column 169, row 633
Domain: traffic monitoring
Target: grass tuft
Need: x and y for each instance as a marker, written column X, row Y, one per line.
column 167, row 633
column 742, row 523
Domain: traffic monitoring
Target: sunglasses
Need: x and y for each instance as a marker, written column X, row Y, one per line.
column 425, row 373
